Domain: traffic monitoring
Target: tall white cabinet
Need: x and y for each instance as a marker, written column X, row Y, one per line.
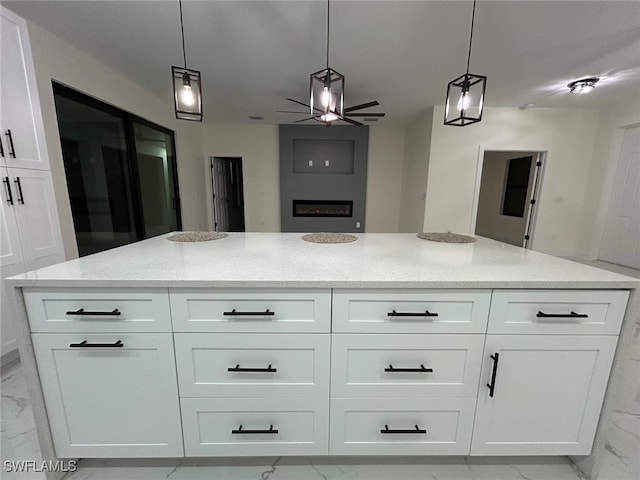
column 30, row 236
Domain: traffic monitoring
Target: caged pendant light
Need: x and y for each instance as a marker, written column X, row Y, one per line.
column 465, row 94
column 326, row 98
column 187, row 87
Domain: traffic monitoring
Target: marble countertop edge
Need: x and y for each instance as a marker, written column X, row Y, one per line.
column 504, row 284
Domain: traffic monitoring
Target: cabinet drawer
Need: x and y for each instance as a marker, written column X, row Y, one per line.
column 113, row 396
column 405, row 365
column 411, row 311
column 250, row 365
column 98, row 310
column 283, row 426
column 557, row 312
column 251, row 310
column 401, row 426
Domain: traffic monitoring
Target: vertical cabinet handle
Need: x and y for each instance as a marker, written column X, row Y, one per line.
column 1, row 149
column 494, row 371
column 7, row 184
column 20, row 196
column 12, row 150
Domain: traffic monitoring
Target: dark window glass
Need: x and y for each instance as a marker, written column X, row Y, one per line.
column 120, row 170
column 515, row 192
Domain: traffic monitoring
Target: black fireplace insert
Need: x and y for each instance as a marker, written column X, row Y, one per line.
column 322, row 208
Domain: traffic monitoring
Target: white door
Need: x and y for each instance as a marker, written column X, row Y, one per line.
column 113, row 396
column 546, row 396
column 11, row 261
column 18, row 96
column 221, row 172
column 37, row 217
column 621, row 238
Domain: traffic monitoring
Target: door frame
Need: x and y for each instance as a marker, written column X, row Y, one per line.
column 532, row 211
column 208, row 166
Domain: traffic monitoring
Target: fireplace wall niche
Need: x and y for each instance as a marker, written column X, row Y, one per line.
column 323, row 178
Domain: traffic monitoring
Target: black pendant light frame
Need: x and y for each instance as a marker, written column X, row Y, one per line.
column 464, row 85
column 329, row 80
column 187, row 86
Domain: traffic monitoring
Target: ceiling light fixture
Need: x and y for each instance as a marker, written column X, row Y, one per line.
column 187, row 87
column 465, row 94
column 584, row 85
column 326, row 98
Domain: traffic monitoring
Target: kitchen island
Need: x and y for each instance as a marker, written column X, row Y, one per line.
column 263, row 344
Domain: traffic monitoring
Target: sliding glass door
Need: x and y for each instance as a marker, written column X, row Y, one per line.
column 120, row 170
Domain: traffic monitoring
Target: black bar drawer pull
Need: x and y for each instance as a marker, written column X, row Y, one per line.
column 82, row 311
column 20, row 196
column 417, row 429
column 1, row 149
column 252, row 314
column 7, row 184
column 492, row 385
column 238, row 368
column 255, row 432
column 85, row 344
column 12, row 150
column 421, row 369
column 561, row 315
column 426, row 313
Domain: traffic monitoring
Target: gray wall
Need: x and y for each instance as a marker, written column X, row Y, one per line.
column 344, row 178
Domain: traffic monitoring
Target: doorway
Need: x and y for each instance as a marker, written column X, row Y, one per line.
column 621, row 238
column 509, row 183
column 227, row 188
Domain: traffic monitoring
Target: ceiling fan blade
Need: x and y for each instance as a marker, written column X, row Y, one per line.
column 290, row 111
column 375, row 103
column 366, row 114
column 299, row 103
column 303, row 120
column 353, row 122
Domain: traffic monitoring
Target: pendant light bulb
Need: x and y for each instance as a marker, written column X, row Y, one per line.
column 464, row 101
column 329, row 117
column 186, row 94
column 326, row 97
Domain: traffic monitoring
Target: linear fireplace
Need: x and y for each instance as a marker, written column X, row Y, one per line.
column 322, row 208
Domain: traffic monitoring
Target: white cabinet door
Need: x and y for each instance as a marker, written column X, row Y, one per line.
column 110, row 399
column 37, row 216
column 546, row 397
column 20, row 117
column 11, row 263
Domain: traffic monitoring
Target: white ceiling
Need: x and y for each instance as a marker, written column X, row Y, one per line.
column 254, row 54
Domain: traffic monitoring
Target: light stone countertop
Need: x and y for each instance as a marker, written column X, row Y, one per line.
column 285, row 260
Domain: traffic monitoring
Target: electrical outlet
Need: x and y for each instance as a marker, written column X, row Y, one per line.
column 326, row 163
column 357, row 224
column 311, row 163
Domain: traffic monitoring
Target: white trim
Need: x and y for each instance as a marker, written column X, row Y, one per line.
column 537, row 189
column 208, row 175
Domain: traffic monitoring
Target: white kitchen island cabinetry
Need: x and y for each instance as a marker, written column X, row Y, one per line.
column 379, row 347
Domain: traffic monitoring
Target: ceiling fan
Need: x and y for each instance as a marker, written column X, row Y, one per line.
column 326, row 99
column 328, row 119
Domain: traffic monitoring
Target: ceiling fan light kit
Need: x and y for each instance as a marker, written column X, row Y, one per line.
column 584, row 85
column 326, row 99
column 187, row 87
column 465, row 94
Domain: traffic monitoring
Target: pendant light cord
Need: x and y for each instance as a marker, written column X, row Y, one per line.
column 327, row 34
column 473, row 17
column 184, row 52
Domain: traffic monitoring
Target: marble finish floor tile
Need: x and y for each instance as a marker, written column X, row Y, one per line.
column 17, row 429
column 330, row 468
